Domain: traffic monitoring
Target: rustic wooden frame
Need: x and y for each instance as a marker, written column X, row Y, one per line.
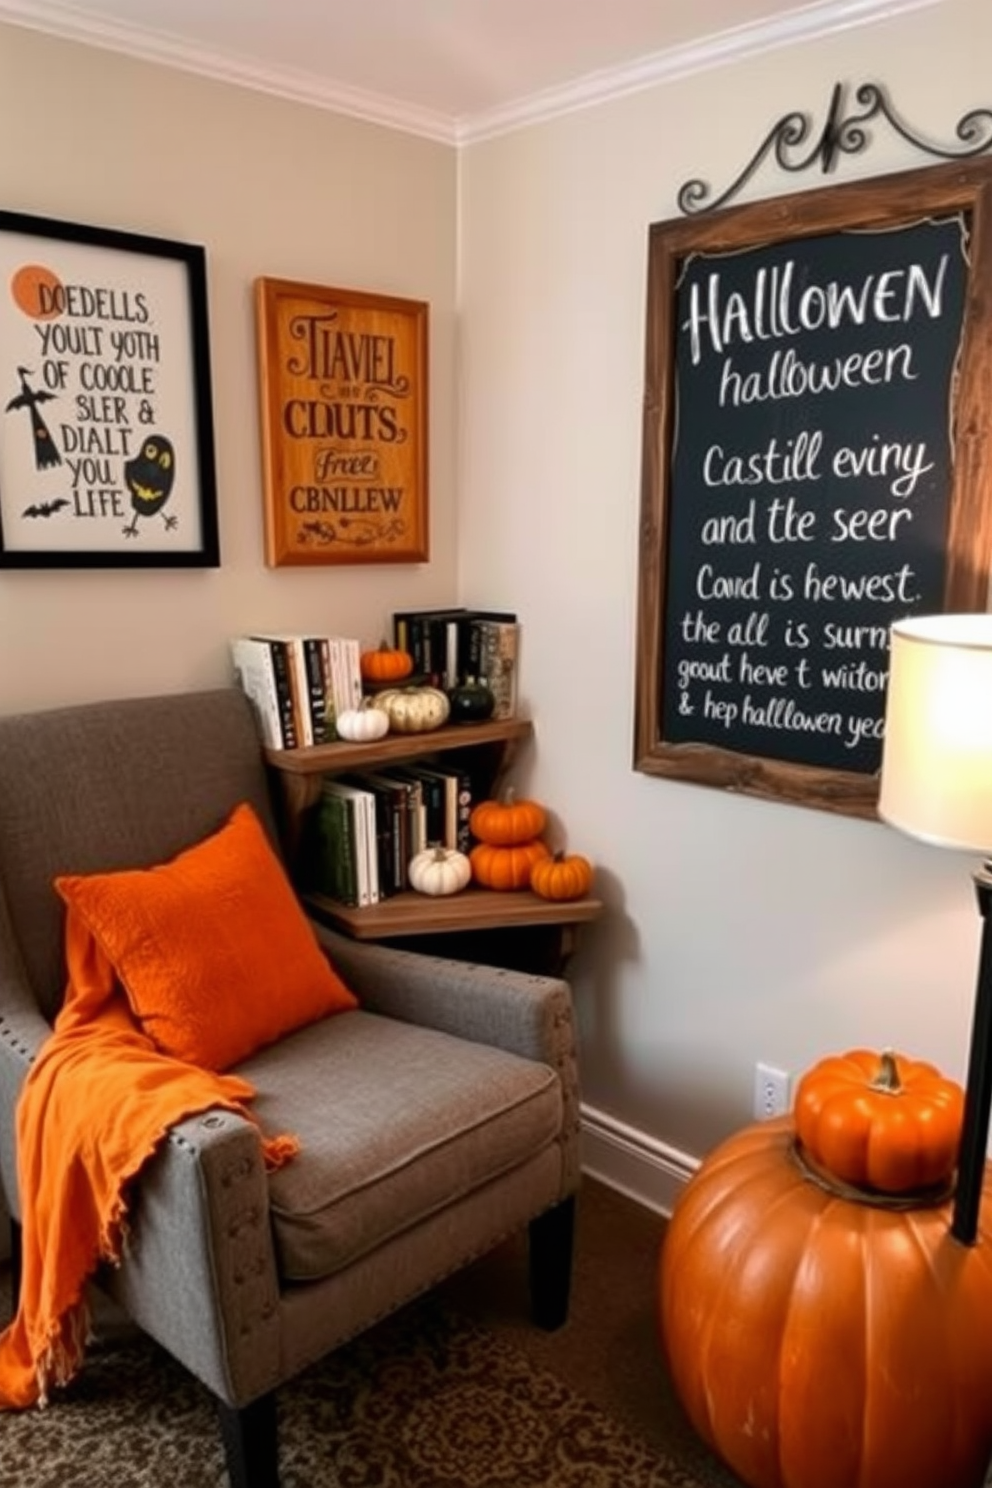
column 108, row 333
column 343, row 380
column 887, row 202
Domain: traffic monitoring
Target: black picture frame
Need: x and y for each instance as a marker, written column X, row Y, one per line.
column 720, row 698
column 106, row 417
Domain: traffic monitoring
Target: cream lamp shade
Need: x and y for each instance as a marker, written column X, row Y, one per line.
column 937, row 751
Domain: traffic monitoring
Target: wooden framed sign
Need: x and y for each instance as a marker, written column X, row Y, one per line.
column 343, row 380
column 817, row 462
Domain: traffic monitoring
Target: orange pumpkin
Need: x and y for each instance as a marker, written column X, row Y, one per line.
column 385, row 664
column 506, row 821
column 564, row 876
column 817, row 1341
column 880, row 1120
column 506, row 867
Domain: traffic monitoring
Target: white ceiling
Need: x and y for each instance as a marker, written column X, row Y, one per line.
column 451, row 69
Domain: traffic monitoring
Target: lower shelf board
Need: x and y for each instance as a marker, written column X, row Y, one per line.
column 472, row 909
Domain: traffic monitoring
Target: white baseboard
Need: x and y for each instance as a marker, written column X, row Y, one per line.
column 629, row 1160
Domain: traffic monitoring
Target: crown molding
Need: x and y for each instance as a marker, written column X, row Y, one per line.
column 282, row 82
column 822, row 18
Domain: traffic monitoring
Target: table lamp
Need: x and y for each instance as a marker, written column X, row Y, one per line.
column 936, row 785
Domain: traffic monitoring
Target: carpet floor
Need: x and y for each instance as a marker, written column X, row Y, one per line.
column 457, row 1390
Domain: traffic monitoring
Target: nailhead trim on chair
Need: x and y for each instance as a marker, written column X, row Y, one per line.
column 245, row 1229
column 17, row 1044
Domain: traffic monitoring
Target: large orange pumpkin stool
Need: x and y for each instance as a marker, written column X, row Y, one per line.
column 818, row 1339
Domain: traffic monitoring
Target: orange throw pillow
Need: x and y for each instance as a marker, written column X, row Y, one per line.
column 213, row 949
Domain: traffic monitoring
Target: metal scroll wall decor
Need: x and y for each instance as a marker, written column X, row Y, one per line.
column 842, row 134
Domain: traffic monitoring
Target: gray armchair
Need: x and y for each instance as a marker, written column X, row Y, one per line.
column 436, row 1120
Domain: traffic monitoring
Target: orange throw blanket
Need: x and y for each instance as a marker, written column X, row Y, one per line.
column 97, row 1102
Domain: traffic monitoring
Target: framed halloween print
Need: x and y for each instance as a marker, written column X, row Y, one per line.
column 106, row 424
column 343, row 385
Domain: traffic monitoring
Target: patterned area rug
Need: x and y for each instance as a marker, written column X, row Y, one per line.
column 425, row 1400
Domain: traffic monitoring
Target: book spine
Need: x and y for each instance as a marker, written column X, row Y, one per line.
column 284, row 688
column 473, row 659
column 353, row 671
column 498, row 664
column 401, row 810
column 450, row 809
column 253, row 672
column 372, row 845
column 463, row 834
column 437, row 650
column 334, row 869
column 416, row 821
column 381, row 798
column 300, row 684
column 434, row 805
column 315, row 689
column 363, row 856
column 327, row 681
column 396, row 791
column 399, row 835
column 417, row 646
column 341, row 698
column 386, row 816
column 452, row 672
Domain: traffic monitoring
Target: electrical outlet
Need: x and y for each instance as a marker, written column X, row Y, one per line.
column 771, row 1091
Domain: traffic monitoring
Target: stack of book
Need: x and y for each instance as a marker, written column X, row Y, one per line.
column 449, row 646
column 368, row 825
column 297, row 684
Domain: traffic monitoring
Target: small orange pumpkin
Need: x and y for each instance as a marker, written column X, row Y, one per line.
column 564, row 876
column 507, row 821
column 385, row 664
column 880, row 1121
column 506, row 867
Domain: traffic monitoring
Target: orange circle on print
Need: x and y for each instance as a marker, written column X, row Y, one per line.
column 35, row 290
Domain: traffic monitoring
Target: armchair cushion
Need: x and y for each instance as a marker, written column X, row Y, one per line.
column 213, row 949
column 395, row 1122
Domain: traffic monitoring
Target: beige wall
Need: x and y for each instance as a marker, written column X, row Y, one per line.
column 268, row 187
column 739, row 930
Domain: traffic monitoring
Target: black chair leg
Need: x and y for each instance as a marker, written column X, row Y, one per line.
column 251, row 1442
column 16, row 1261
column 551, row 1242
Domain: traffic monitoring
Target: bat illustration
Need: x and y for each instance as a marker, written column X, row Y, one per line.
column 45, row 508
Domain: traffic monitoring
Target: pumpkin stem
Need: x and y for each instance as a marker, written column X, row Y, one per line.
column 887, row 1080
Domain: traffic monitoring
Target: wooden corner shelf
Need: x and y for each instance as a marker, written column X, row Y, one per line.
column 298, row 774
column 472, row 909
column 329, row 759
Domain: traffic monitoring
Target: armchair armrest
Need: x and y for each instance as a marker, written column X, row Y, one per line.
column 23, row 1030
column 199, row 1270
column 526, row 1015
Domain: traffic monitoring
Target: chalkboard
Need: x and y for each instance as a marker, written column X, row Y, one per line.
column 816, row 464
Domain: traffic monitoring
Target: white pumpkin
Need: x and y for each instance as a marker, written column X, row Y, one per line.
column 439, row 870
column 414, row 710
column 362, row 725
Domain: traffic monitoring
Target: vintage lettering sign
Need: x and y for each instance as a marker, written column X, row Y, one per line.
column 816, row 465
column 106, row 427
column 343, row 379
